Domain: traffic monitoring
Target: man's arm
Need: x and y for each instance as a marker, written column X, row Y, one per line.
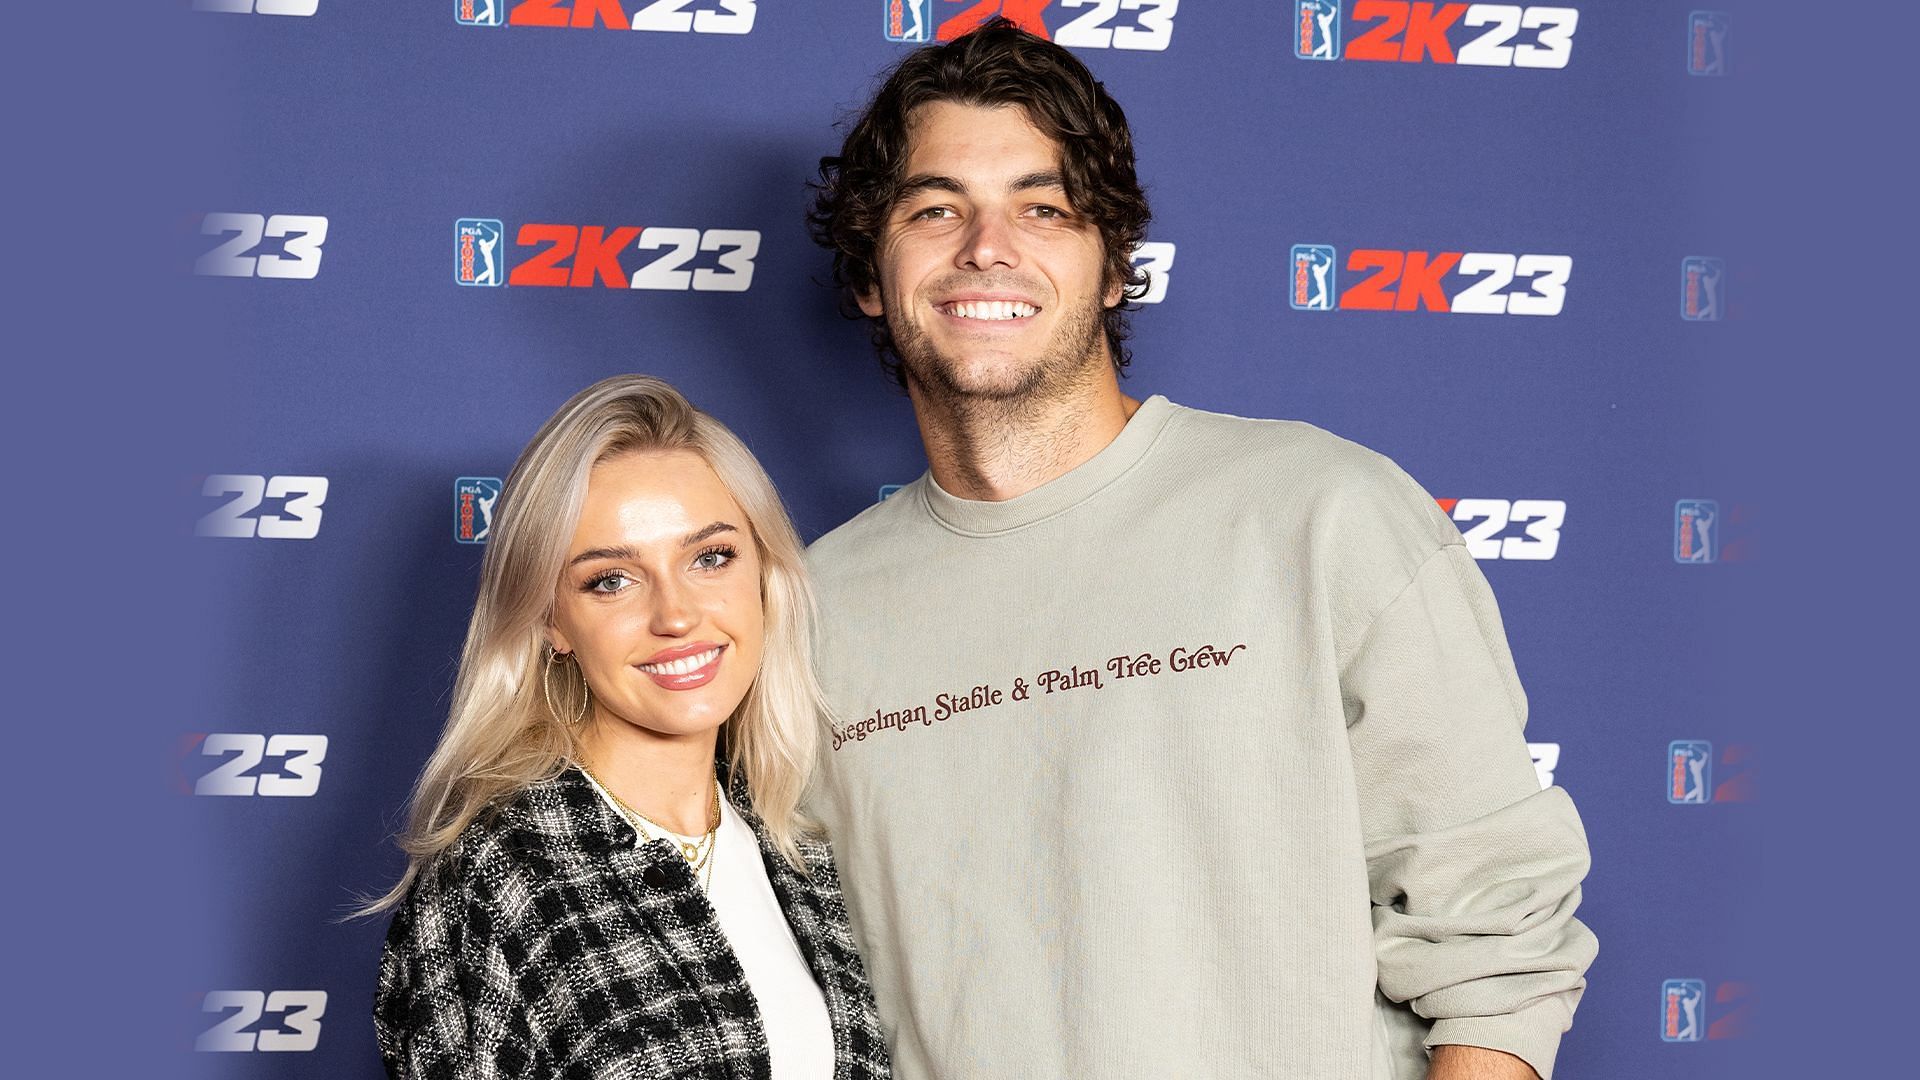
column 1474, row 871
column 1477, row 1063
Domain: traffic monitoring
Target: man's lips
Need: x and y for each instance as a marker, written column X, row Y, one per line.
column 685, row 666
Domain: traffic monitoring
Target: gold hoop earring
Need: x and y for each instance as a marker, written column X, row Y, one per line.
column 555, row 658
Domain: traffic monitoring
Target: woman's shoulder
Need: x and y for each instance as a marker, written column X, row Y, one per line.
column 521, row 845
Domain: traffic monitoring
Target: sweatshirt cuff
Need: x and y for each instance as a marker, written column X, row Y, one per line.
column 1532, row 1034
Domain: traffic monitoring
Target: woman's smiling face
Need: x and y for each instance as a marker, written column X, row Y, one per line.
column 660, row 599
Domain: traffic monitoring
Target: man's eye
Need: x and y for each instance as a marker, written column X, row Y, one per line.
column 1049, row 212
column 933, row 212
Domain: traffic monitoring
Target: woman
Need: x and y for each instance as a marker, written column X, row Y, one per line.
column 609, row 875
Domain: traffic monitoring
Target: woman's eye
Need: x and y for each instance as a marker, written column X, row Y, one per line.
column 713, row 559
column 609, row 583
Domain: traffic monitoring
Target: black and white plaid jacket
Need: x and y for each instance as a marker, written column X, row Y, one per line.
column 548, row 942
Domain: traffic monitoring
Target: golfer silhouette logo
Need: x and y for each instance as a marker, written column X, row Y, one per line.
column 1317, row 30
column 1689, row 772
column 1310, row 286
column 473, row 499
column 906, row 20
column 476, row 251
column 479, row 12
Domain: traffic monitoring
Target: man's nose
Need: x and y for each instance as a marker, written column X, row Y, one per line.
column 990, row 242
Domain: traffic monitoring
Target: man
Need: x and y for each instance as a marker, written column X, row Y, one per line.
column 1168, row 744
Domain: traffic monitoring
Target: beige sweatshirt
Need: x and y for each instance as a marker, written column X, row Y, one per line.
column 1202, row 760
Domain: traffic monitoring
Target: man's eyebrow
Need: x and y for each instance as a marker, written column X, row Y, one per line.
column 632, row 554
column 916, row 184
column 1044, row 179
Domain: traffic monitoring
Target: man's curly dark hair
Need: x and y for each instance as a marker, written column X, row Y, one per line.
column 998, row 64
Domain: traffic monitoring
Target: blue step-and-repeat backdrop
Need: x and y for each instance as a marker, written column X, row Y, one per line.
column 1480, row 238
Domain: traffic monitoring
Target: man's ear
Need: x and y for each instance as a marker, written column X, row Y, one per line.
column 869, row 301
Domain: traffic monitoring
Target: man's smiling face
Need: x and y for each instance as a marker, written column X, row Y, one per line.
column 991, row 283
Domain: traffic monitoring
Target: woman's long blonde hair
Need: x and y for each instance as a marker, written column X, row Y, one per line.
column 501, row 736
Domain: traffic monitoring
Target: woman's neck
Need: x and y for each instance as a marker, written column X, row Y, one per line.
column 667, row 778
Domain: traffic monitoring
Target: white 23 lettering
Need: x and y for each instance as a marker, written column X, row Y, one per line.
column 300, row 1012
column 301, row 520
column 301, row 237
column 1542, row 517
column 1153, row 34
column 299, row 770
column 261, row 7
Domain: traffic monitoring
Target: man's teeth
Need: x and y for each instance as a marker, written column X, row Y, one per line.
column 683, row 665
column 992, row 309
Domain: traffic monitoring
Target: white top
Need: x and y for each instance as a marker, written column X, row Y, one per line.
column 794, row 1013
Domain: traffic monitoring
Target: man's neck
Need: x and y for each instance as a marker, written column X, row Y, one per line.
column 992, row 450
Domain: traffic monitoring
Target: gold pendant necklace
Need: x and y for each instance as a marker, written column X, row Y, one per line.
column 692, row 851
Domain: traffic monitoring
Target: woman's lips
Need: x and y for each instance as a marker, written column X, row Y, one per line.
column 687, row 671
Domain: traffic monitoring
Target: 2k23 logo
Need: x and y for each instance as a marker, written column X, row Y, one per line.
column 259, row 7
column 299, row 1029
column 1540, row 518
column 1145, row 25
column 299, row 236
column 1412, row 33
column 299, row 517
column 595, row 251
column 672, row 16
column 1501, row 283
column 296, row 772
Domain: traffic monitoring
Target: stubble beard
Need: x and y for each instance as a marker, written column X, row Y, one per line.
column 1070, row 360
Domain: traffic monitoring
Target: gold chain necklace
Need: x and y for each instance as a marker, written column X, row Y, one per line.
column 699, row 854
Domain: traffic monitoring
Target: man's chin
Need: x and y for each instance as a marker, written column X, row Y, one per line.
column 979, row 382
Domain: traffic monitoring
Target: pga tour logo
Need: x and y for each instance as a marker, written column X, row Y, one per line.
column 1318, row 33
column 473, row 499
column 1311, row 286
column 1694, row 539
column 908, row 20
column 479, row 12
column 1682, row 1001
column 476, row 251
column 1707, row 43
column 1689, row 771
column 1701, row 294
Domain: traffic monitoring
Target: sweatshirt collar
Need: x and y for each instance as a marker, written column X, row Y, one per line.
column 981, row 518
